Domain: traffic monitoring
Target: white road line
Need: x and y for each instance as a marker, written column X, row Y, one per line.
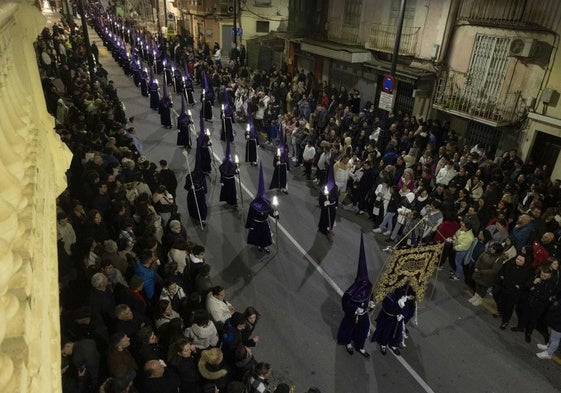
column 332, row 283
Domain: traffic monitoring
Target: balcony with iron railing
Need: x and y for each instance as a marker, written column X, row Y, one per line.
column 512, row 13
column 382, row 39
column 455, row 95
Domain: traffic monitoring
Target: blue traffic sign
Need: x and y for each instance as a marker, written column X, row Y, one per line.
column 388, row 83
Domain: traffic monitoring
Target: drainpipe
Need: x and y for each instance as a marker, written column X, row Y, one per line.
column 448, row 30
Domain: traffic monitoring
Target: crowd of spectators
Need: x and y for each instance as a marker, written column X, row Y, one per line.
column 139, row 309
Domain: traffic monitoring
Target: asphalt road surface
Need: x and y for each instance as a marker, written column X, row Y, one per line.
column 456, row 347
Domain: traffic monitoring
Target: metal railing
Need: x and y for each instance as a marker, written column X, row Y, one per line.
column 454, row 93
column 542, row 13
column 382, row 38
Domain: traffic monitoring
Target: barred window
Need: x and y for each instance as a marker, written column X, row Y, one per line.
column 487, row 69
column 262, row 26
column 352, row 12
column 409, row 16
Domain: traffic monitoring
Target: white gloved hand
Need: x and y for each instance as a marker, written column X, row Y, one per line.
column 326, row 203
column 401, row 301
column 399, row 317
column 359, row 311
column 371, row 304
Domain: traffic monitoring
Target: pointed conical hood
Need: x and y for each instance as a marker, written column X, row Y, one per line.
column 152, row 80
column 252, row 130
column 183, row 110
column 362, row 270
column 183, row 118
column 165, row 90
column 261, row 186
column 202, row 135
column 228, row 112
column 228, row 153
column 283, row 149
column 330, row 178
column 209, row 92
column 361, row 289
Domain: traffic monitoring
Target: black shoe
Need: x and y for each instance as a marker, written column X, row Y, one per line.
column 349, row 349
column 266, row 249
column 384, row 350
column 503, row 325
column 364, row 353
column 517, row 329
column 395, row 351
column 389, row 240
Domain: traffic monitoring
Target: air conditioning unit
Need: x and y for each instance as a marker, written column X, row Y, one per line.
column 522, row 47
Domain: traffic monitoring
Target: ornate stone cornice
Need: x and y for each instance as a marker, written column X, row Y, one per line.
column 33, row 162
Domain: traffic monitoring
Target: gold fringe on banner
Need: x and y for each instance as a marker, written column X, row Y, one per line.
column 413, row 265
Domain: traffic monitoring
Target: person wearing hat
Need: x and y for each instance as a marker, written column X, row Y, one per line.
column 357, row 303
column 257, row 221
column 281, row 165
column 228, row 171
column 328, row 202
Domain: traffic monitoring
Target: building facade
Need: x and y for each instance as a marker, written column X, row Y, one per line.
column 488, row 68
column 498, row 64
column 33, row 163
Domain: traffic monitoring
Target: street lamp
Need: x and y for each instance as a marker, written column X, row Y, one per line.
column 275, row 204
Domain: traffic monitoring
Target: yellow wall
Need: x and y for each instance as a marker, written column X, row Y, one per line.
column 30, row 180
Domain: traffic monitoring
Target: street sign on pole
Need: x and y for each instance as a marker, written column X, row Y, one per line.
column 388, row 83
column 386, row 101
column 239, row 31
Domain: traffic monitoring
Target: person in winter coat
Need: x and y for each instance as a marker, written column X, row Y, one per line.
column 553, row 319
column 462, row 241
column 218, row 307
column 258, row 379
column 180, row 359
column 232, row 336
column 534, row 303
column 212, row 368
column 510, row 288
column 202, row 333
column 486, row 269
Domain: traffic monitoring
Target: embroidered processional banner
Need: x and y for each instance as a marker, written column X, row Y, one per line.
column 413, row 265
